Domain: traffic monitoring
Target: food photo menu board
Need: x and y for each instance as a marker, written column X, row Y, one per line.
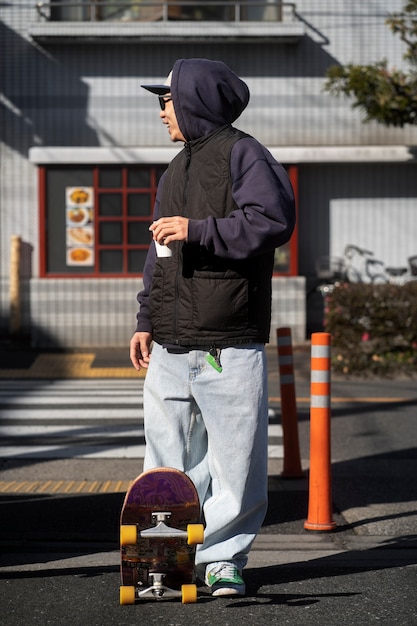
column 80, row 226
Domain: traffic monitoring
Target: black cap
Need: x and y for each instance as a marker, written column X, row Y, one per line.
column 160, row 90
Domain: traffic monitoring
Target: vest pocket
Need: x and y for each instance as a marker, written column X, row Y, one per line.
column 219, row 303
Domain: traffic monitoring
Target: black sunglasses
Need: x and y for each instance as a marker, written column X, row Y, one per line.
column 163, row 100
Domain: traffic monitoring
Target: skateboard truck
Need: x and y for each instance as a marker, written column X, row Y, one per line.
column 194, row 533
column 161, row 530
column 158, row 590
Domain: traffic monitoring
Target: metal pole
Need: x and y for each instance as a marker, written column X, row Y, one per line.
column 15, row 286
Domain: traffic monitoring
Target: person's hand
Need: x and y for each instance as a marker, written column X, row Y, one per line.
column 140, row 350
column 168, row 229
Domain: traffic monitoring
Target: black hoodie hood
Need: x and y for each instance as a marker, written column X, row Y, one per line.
column 206, row 95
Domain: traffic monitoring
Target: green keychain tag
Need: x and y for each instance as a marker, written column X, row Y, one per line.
column 214, row 361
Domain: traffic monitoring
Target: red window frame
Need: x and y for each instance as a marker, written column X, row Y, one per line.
column 292, row 171
column 124, row 219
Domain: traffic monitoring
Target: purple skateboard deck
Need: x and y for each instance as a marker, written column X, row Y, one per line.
column 161, row 504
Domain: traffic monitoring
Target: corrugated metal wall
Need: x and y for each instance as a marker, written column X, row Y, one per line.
column 84, row 94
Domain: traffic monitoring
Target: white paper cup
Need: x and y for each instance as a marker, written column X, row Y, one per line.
column 162, row 250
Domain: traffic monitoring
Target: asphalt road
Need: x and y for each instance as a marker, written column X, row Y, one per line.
column 59, row 552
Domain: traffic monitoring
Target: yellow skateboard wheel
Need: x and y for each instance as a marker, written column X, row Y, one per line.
column 127, row 595
column 189, row 594
column 195, row 534
column 128, row 535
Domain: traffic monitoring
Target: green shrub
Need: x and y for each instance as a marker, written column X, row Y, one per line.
column 373, row 328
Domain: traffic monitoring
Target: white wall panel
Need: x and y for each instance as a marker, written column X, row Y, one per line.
column 385, row 226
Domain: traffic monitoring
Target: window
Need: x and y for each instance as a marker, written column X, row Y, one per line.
column 286, row 257
column 157, row 10
column 95, row 220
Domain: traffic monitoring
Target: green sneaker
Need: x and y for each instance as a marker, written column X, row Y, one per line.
column 225, row 580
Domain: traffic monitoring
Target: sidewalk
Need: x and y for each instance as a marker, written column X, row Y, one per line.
column 17, row 361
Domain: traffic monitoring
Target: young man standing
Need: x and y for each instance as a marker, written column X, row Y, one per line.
column 222, row 207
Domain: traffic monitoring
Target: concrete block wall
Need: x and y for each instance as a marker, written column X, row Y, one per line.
column 87, row 313
column 83, row 313
column 25, row 318
column 289, row 307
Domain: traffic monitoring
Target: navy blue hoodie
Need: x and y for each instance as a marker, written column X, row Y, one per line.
column 206, row 96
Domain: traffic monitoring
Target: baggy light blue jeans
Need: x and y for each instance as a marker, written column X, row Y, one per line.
column 214, row 427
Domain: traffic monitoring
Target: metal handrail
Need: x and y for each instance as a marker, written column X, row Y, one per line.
column 100, row 10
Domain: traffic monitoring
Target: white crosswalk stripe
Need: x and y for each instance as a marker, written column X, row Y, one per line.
column 80, row 419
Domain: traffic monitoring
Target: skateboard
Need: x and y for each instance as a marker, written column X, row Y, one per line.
column 159, row 531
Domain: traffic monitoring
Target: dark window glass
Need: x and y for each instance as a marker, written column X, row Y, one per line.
column 111, row 261
column 110, row 204
column 111, row 233
column 110, row 177
column 139, row 178
column 136, row 261
column 139, row 204
column 138, row 232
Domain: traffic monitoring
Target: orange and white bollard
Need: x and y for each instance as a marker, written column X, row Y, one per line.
column 292, row 463
column 320, row 481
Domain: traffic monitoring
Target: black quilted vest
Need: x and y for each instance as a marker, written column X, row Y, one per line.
column 198, row 299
